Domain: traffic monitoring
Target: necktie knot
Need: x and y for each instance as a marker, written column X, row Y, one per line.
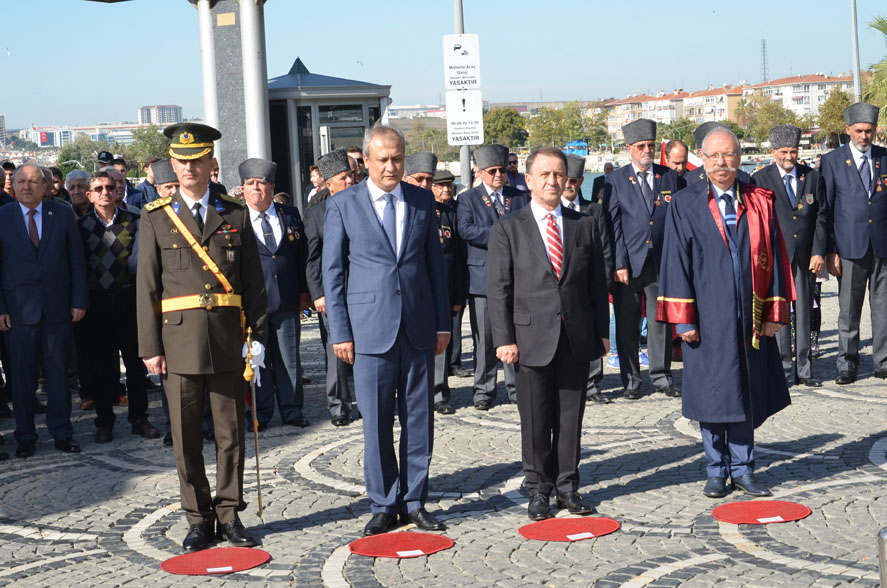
column 32, row 212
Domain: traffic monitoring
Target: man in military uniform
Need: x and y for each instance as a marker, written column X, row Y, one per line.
column 454, row 263
column 199, row 286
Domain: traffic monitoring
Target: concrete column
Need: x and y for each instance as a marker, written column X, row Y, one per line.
column 255, row 78
column 208, row 65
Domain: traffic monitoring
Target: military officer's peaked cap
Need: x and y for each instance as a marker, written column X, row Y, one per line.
column 163, row 172
column 191, row 140
column 424, row 162
column 861, row 112
column 333, row 163
column 443, row 176
column 704, row 129
column 642, row 129
column 494, row 155
column 784, row 136
column 575, row 166
column 255, row 167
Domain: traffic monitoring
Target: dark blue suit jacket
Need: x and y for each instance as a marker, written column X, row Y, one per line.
column 475, row 220
column 855, row 220
column 284, row 269
column 48, row 281
column 637, row 224
column 371, row 293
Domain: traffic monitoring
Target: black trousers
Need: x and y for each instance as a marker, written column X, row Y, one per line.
column 551, row 403
column 108, row 332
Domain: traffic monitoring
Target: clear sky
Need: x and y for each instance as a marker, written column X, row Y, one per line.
column 79, row 62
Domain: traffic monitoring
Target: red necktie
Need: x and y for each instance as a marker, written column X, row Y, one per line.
column 32, row 228
column 555, row 248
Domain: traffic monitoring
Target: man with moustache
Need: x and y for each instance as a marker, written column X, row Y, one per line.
column 726, row 283
column 699, row 135
column 479, row 209
column 637, row 197
column 799, row 203
column 338, row 171
column 546, row 272
column 419, row 169
column 514, row 178
column 855, row 178
column 199, row 288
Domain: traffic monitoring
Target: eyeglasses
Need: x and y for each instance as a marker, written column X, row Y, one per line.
column 360, row 160
column 645, row 146
column 102, row 188
column 512, row 162
column 718, row 156
column 495, row 170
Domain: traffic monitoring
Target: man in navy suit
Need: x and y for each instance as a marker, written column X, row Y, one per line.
column 636, row 197
column 799, row 203
column 855, row 178
column 479, row 209
column 43, row 272
column 283, row 252
column 386, row 301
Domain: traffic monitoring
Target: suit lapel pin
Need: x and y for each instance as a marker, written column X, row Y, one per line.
column 50, row 212
column 230, row 255
column 631, row 179
column 801, row 178
column 667, row 197
column 657, row 176
column 800, row 206
column 847, row 162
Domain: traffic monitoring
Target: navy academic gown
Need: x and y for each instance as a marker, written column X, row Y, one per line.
column 697, row 286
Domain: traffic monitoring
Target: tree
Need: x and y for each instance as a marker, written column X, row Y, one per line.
column 81, row 149
column 573, row 124
column 875, row 91
column 596, row 126
column 757, row 114
column 424, row 138
column 147, row 142
column 546, row 128
column 831, row 113
column 20, row 144
column 505, row 126
column 680, row 129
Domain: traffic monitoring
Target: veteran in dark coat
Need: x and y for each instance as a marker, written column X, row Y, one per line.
column 799, row 203
column 723, row 248
column 189, row 302
column 855, row 178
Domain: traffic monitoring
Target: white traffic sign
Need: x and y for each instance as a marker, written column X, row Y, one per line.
column 461, row 55
column 465, row 117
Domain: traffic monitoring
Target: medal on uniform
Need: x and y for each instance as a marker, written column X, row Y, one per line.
column 448, row 234
column 847, row 162
column 657, row 202
column 809, row 199
column 229, row 253
column 800, row 206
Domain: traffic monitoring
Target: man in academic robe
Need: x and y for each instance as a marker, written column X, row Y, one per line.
column 726, row 283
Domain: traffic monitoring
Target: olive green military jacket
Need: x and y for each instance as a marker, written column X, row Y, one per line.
column 198, row 340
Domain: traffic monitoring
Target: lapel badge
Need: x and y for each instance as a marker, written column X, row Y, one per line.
column 878, row 189
column 291, row 237
column 174, row 231
column 667, row 197
column 800, row 206
column 631, row 179
column 657, row 203
column 809, row 199
column 801, row 179
column 656, row 176
column 230, row 255
column 175, row 207
column 448, row 234
column 50, row 212
column 847, row 162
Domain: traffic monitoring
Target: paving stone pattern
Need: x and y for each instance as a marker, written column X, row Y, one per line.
column 109, row 516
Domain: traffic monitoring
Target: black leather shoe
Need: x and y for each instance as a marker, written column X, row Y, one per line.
column 67, row 446
column 104, row 435
column 380, row 523
column 482, row 405
column 462, row 372
column 573, row 502
column 748, row 484
column 539, row 509
column 25, row 449
column 845, row 378
column 633, row 394
column 670, row 390
column 598, row 397
column 167, row 439
column 716, row 487
column 882, row 374
column 443, row 408
column 198, row 537
column 145, row 429
column 423, row 520
column 810, row 382
column 788, row 382
column 236, row 534
column 298, row 421
column 340, row 421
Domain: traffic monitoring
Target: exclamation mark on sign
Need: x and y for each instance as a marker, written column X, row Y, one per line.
column 463, row 105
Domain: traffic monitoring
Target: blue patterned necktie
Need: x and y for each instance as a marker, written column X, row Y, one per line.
column 389, row 221
column 788, row 190
column 865, row 174
column 646, row 191
column 729, row 214
column 267, row 232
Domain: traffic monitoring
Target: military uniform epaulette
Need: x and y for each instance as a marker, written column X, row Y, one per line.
column 232, row 200
column 157, row 203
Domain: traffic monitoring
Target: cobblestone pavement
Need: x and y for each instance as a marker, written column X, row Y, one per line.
column 110, row 515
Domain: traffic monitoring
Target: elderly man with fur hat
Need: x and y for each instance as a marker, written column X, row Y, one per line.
column 855, row 178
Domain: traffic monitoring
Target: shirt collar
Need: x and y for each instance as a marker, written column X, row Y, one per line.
column 490, row 191
column 857, row 154
column 718, row 192
column 566, row 203
column 376, row 192
column 25, row 209
column 540, row 213
column 271, row 211
column 638, row 170
column 204, row 201
column 783, row 173
column 101, row 220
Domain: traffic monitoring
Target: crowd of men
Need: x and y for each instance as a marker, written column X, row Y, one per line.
column 170, row 274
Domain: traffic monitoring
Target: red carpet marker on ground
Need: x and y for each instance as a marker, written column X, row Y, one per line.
column 569, row 529
column 402, row 544
column 760, row 512
column 221, row 560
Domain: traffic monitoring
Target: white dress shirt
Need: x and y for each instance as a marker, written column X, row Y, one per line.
column 857, row 160
column 377, row 196
column 721, row 204
column 541, row 216
column 649, row 173
column 571, row 204
column 273, row 220
column 204, row 202
column 793, row 181
column 38, row 219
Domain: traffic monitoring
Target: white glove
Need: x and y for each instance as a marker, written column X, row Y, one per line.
column 258, row 359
